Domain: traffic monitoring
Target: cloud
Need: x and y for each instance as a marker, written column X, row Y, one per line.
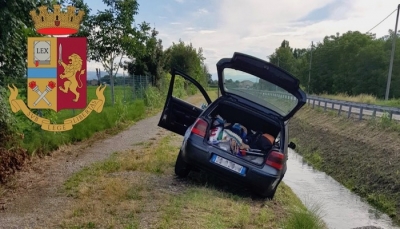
column 206, row 31
column 92, row 65
column 334, row 8
column 258, row 27
column 201, row 12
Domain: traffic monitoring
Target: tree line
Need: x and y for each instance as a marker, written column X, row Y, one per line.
column 352, row 63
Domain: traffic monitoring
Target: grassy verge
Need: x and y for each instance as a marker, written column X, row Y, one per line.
column 111, row 120
column 362, row 155
column 137, row 189
column 364, row 98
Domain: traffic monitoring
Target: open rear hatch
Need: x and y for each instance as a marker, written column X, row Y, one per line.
column 262, row 83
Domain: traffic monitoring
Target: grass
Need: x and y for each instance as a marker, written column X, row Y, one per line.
column 112, row 119
column 136, row 189
column 383, row 122
column 363, row 98
column 129, row 107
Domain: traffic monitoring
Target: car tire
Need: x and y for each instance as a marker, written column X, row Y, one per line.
column 182, row 169
column 270, row 194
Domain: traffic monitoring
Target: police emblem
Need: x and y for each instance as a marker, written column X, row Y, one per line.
column 57, row 70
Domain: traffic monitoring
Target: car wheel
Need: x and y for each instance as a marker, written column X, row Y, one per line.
column 182, row 169
column 270, row 194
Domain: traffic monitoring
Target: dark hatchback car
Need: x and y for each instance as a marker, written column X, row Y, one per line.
column 255, row 94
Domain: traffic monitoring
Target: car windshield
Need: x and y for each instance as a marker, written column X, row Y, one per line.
column 258, row 90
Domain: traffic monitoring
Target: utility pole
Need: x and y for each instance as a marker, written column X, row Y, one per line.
column 392, row 56
column 309, row 69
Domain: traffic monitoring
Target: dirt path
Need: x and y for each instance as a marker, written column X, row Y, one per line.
column 35, row 195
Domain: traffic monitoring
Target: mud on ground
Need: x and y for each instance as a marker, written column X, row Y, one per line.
column 359, row 154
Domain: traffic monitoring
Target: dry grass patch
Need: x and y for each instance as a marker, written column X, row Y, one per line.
column 155, row 159
column 208, row 207
column 110, row 202
column 362, row 98
column 145, row 157
column 201, row 207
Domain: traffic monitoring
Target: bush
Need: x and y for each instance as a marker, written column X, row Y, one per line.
column 7, row 120
column 12, row 156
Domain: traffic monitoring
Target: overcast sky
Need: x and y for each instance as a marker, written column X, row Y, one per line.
column 257, row 27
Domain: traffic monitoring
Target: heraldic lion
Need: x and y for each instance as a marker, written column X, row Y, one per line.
column 70, row 70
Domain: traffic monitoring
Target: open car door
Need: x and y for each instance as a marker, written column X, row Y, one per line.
column 178, row 115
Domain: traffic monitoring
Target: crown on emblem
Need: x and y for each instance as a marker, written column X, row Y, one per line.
column 57, row 22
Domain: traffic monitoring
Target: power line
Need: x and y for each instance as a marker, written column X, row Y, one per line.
column 382, row 20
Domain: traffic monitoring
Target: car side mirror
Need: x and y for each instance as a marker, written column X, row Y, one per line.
column 292, row 145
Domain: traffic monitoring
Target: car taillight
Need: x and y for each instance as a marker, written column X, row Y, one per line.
column 200, row 127
column 275, row 159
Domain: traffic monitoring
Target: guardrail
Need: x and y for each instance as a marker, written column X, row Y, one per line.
column 360, row 109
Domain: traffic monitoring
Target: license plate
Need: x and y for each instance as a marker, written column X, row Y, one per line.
column 228, row 164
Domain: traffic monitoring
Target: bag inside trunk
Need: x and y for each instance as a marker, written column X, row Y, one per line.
column 241, row 133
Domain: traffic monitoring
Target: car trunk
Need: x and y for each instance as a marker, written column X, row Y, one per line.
column 255, row 124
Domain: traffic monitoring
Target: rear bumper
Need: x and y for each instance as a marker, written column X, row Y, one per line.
column 198, row 153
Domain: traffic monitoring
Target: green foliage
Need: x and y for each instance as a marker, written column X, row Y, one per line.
column 15, row 26
column 155, row 96
column 41, row 142
column 284, row 57
column 112, row 36
column 150, row 60
column 352, row 63
column 85, row 27
column 302, row 218
column 7, row 120
column 385, row 119
column 189, row 60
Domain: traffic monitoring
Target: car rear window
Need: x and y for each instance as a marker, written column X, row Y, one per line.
column 259, row 90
